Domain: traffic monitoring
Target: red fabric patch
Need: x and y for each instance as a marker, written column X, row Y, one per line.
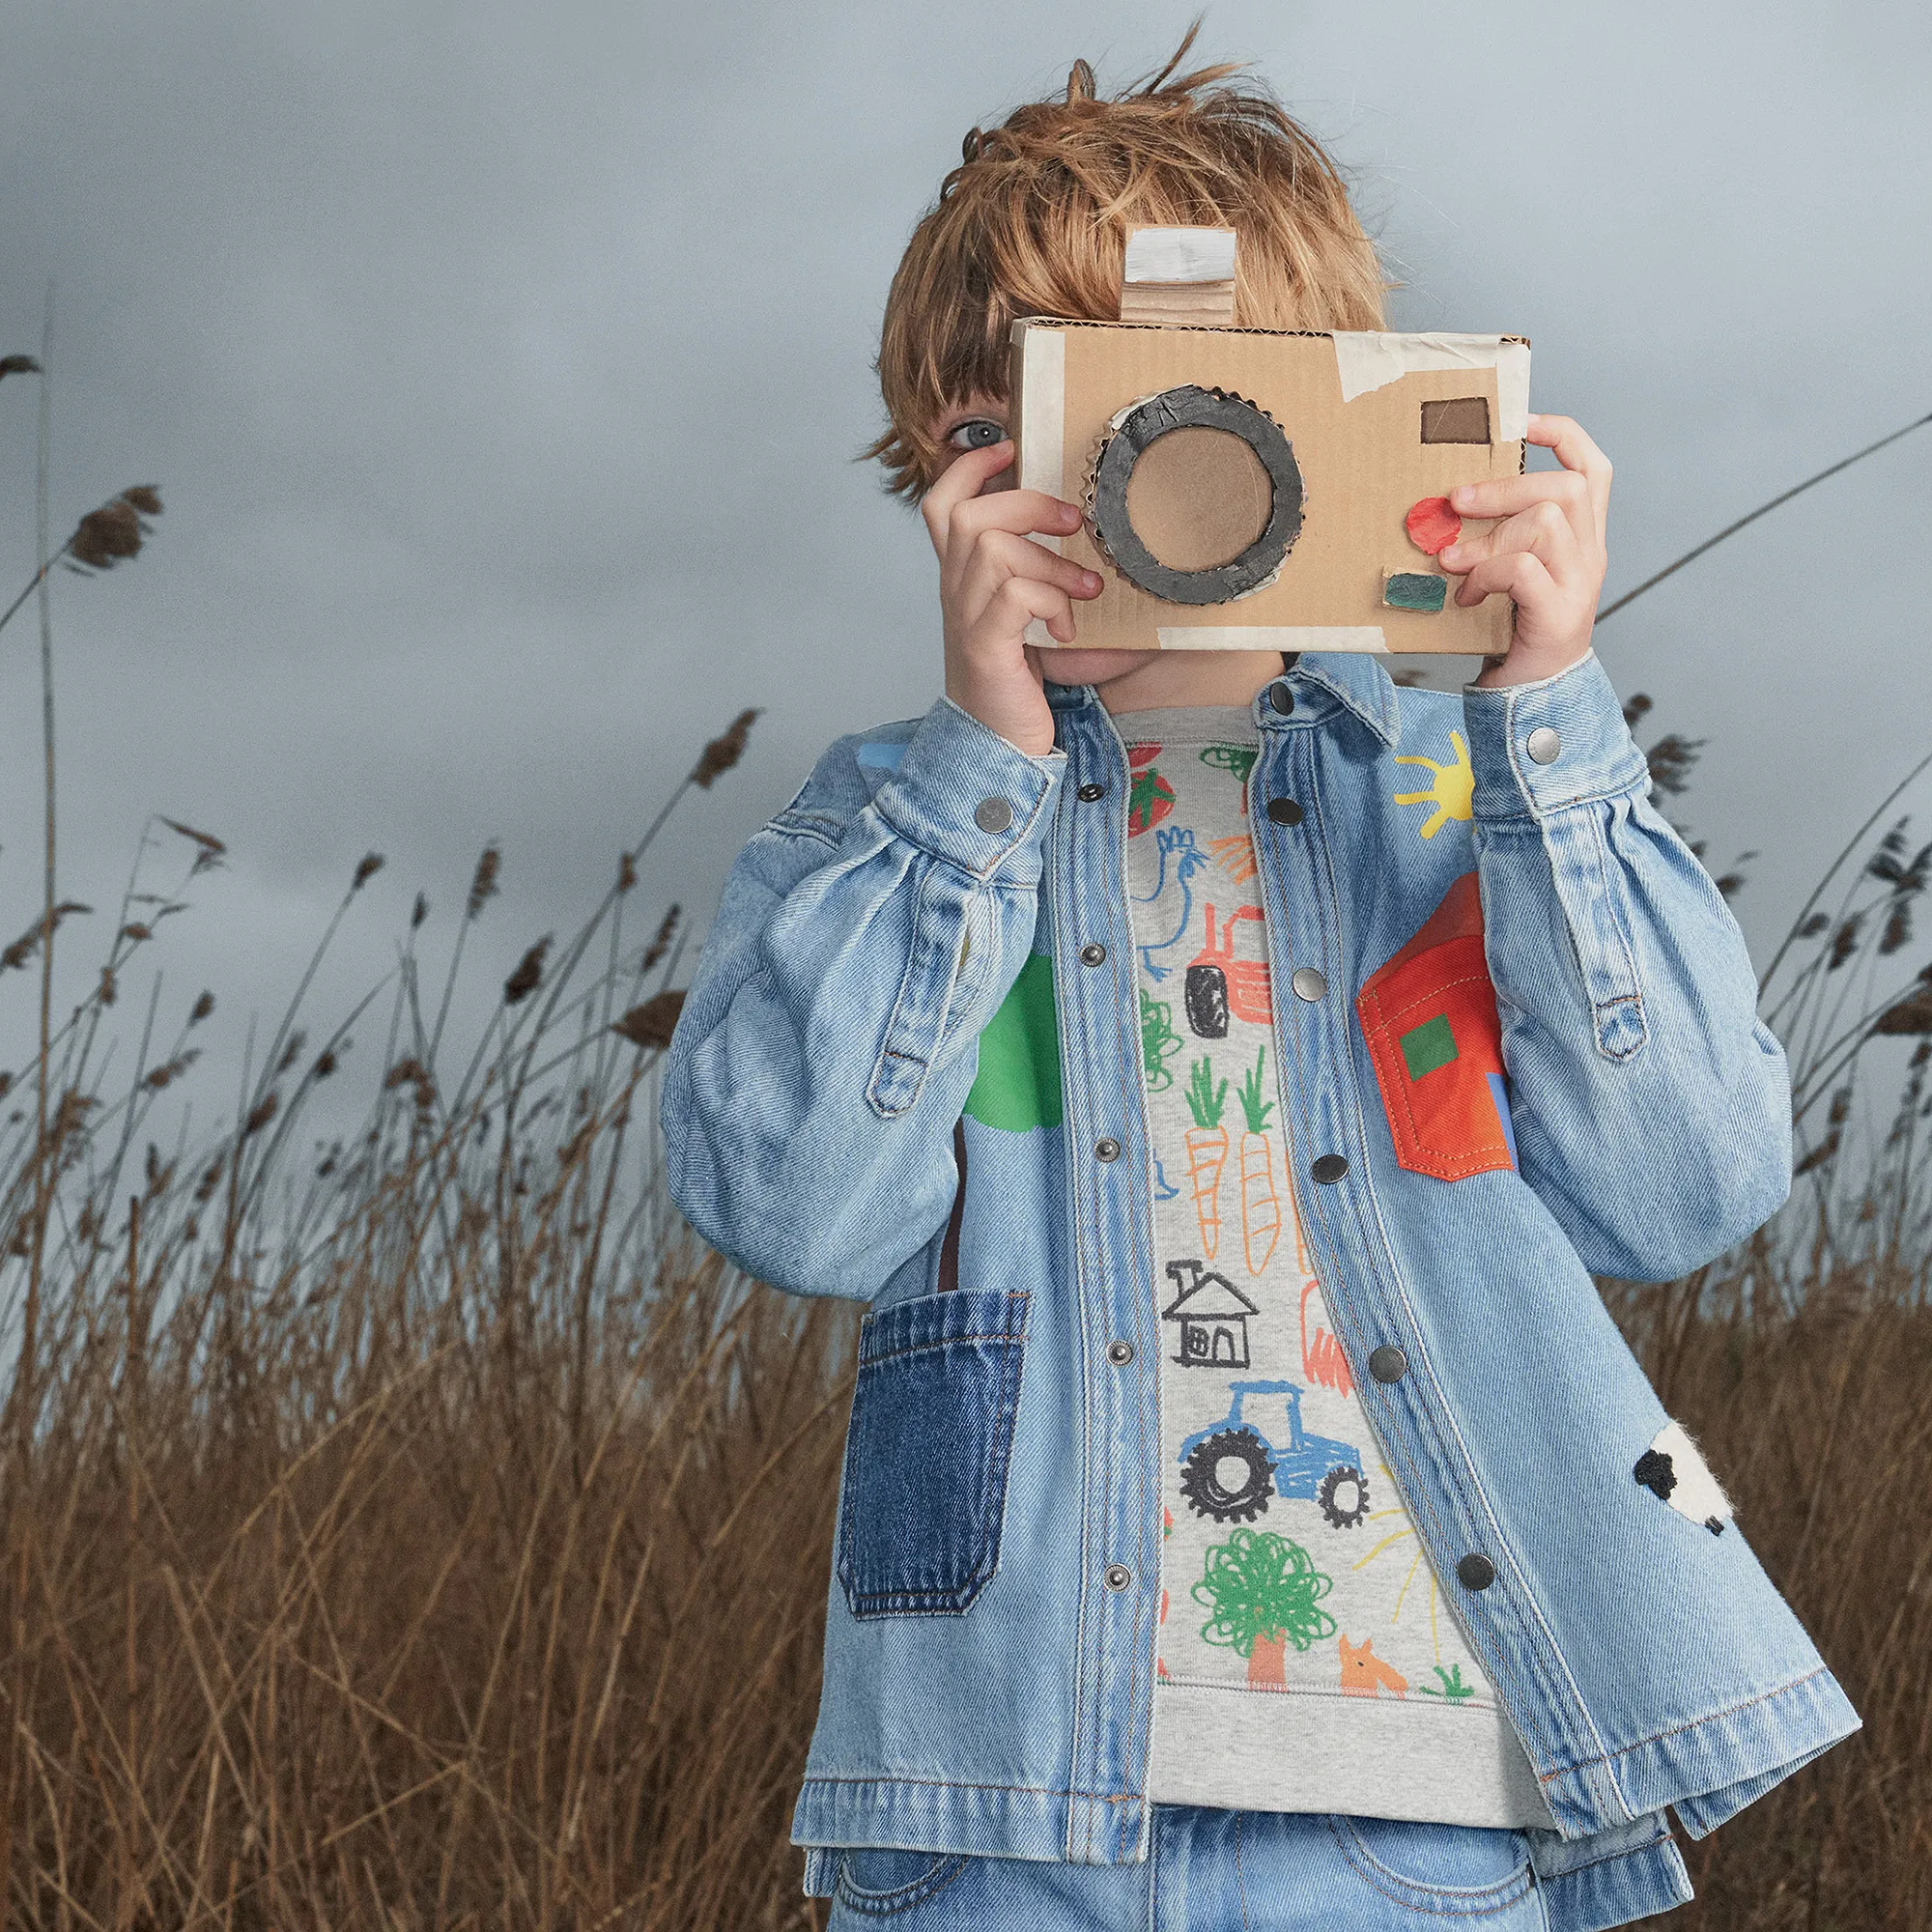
column 1444, row 1123
column 1432, row 525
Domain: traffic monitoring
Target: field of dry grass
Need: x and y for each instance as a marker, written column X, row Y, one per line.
column 434, row 1535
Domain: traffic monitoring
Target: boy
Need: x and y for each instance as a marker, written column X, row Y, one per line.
column 1250, row 1517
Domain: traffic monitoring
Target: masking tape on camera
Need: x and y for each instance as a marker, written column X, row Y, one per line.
column 1043, row 410
column 1365, row 361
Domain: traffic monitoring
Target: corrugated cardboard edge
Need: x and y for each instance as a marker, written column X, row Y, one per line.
column 1040, row 385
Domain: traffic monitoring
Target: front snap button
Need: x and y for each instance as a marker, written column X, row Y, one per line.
column 1387, row 1364
column 1475, row 1572
column 1544, row 745
column 1090, row 791
column 1284, row 811
column 1108, row 1149
column 1120, row 1354
column 1329, row 1167
column 1308, row 983
column 993, row 814
column 1118, row 1575
column 1281, row 697
column 1093, row 953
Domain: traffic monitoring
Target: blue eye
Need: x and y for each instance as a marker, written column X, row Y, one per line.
column 976, row 433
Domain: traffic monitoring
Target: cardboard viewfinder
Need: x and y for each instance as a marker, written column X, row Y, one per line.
column 1254, row 489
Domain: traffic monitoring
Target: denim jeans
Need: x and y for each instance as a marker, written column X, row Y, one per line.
column 1213, row 1871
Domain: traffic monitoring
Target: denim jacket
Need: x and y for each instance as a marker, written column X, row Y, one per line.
column 991, row 1613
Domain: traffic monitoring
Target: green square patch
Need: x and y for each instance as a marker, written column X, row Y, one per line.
column 1430, row 1045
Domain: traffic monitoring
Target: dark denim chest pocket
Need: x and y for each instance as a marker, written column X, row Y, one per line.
column 924, row 1481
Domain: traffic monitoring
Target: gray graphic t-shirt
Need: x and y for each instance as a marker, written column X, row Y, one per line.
column 1307, row 1660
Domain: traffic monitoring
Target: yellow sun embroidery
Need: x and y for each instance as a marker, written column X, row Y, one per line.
column 1395, row 1536
column 1451, row 792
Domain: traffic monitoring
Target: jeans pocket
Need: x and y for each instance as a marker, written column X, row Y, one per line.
column 1445, row 1871
column 924, row 1481
column 880, row 1882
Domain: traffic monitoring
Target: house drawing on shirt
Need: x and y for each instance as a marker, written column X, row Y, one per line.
column 1213, row 1316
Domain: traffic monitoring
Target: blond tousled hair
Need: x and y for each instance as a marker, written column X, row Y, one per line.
column 1035, row 221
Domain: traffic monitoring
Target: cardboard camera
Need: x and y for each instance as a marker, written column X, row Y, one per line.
column 1254, row 489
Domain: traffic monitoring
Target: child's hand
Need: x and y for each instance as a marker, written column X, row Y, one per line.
column 1546, row 553
column 992, row 581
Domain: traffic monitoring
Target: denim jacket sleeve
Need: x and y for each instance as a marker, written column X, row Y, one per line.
column 1652, row 1107
column 831, row 1032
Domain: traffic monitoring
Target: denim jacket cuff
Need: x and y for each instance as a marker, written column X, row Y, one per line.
column 1559, row 740
column 966, row 795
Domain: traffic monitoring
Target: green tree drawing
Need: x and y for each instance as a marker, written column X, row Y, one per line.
column 1264, row 1591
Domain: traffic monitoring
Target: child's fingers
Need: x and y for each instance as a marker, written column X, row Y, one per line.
column 1002, row 553
column 961, row 480
column 1568, row 491
column 1000, row 626
column 1579, row 455
column 1543, row 529
column 1519, row 574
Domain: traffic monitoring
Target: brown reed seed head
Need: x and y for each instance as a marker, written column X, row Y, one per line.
column 18, row 365
column 722, row 752
column 1911, row 1014
column 6, row 1084
column 293, row 1051
column 136, row 931
column 108, row 986
column 626, row 871
column 420, row 912
column 483, row 885
column 661, row 944
column 106, row 535
column 528, row 976
column 652, row 1024
column 324, row 1064
column 206, row 840
column 158, row 1077
column 203, row 1007
column 260, row 1114
column 404, row 1071
column 370, row 864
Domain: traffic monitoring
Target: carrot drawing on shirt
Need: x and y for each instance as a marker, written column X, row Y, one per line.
column 1322, row 1358
column 1206, row 1150
column 1172, row 840
column 1261, row 1205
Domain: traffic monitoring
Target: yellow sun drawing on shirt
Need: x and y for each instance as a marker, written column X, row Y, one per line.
column 1452, row 790
column 1388, row 1542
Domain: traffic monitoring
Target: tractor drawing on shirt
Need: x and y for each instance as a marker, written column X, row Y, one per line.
column 1217, row 983
column 1230, row 1468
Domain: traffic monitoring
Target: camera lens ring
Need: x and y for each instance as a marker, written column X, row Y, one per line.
column 1189, row 406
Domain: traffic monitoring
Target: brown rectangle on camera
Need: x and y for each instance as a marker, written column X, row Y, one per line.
column 1455, row 419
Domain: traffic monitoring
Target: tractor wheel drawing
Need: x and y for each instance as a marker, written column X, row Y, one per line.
column 1343, row 1496
column 1200, row 1477
column 1205, row 997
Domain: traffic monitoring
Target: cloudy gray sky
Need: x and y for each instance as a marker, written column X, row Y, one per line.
column 502, row 368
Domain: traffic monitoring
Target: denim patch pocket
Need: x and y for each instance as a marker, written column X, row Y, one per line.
column 924, row 1481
